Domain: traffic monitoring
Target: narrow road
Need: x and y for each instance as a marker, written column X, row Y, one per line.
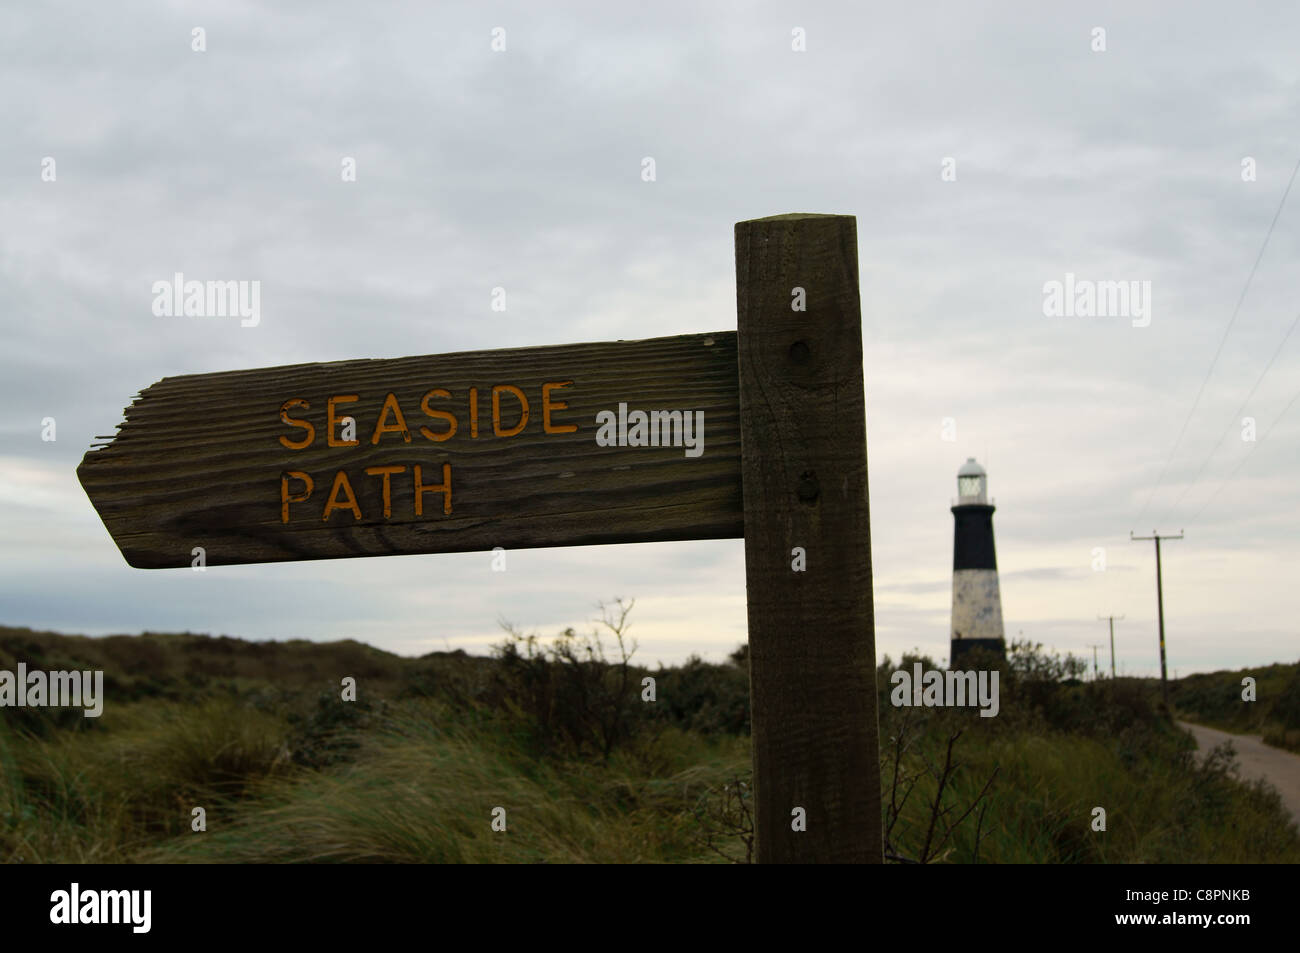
column 1258, row 760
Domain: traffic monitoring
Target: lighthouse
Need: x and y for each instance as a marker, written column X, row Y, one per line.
column 976, row 601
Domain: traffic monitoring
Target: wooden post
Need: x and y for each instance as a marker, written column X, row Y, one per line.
column 804, row 478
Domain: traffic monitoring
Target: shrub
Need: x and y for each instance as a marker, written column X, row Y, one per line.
column 573, row 698
column 699, row 696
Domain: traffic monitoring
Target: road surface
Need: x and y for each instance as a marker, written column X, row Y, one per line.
column 1258, row 760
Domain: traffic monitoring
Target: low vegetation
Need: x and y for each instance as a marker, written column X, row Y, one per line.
column 1215, row 699
column 559, row 733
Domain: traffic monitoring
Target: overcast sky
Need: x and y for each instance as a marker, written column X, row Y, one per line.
column 522, row 169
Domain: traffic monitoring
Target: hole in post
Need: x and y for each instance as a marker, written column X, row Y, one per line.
column 808, row 490
column 800, row 353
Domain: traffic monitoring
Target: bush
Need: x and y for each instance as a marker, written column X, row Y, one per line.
column 329, row 734
column 699, row 696
column 572, row 698
column 1283, row 727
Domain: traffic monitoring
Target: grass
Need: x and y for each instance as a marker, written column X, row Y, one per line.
column 413, row 772
column 423, row 792
column 1161, row 805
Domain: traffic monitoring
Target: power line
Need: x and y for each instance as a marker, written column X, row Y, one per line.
column 1219, row 350
column 1234, row 418
column 1245, row 457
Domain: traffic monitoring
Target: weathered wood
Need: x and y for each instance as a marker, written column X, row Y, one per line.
column 199, row 460
column 248, row 466
column 804, row 470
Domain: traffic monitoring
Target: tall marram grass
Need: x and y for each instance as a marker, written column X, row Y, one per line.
column 424, row 788
column 99, row 795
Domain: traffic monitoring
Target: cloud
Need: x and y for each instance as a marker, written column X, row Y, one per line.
column 521, row 170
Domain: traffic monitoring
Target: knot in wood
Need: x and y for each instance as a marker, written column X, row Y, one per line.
column 808, row 490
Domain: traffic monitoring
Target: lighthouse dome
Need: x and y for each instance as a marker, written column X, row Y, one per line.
column 972, row 482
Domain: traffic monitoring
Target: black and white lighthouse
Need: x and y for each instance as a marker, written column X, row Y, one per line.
column 976, row 600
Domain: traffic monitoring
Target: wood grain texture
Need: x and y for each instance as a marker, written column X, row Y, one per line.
column 198, row 460
column 804, row 471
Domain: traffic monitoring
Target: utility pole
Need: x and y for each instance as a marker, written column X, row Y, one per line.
column 1094, row 660
column 1160, row 607
column 1112, row 619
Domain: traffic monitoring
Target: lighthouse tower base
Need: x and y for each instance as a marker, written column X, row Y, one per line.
column 961, row 647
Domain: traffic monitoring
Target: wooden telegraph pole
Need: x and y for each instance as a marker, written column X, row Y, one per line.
column 759, row 432
column 1095, row 674
column 1160, row 608
column 1112, row 619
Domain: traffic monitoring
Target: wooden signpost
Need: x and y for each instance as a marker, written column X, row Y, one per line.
column 758, row 432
